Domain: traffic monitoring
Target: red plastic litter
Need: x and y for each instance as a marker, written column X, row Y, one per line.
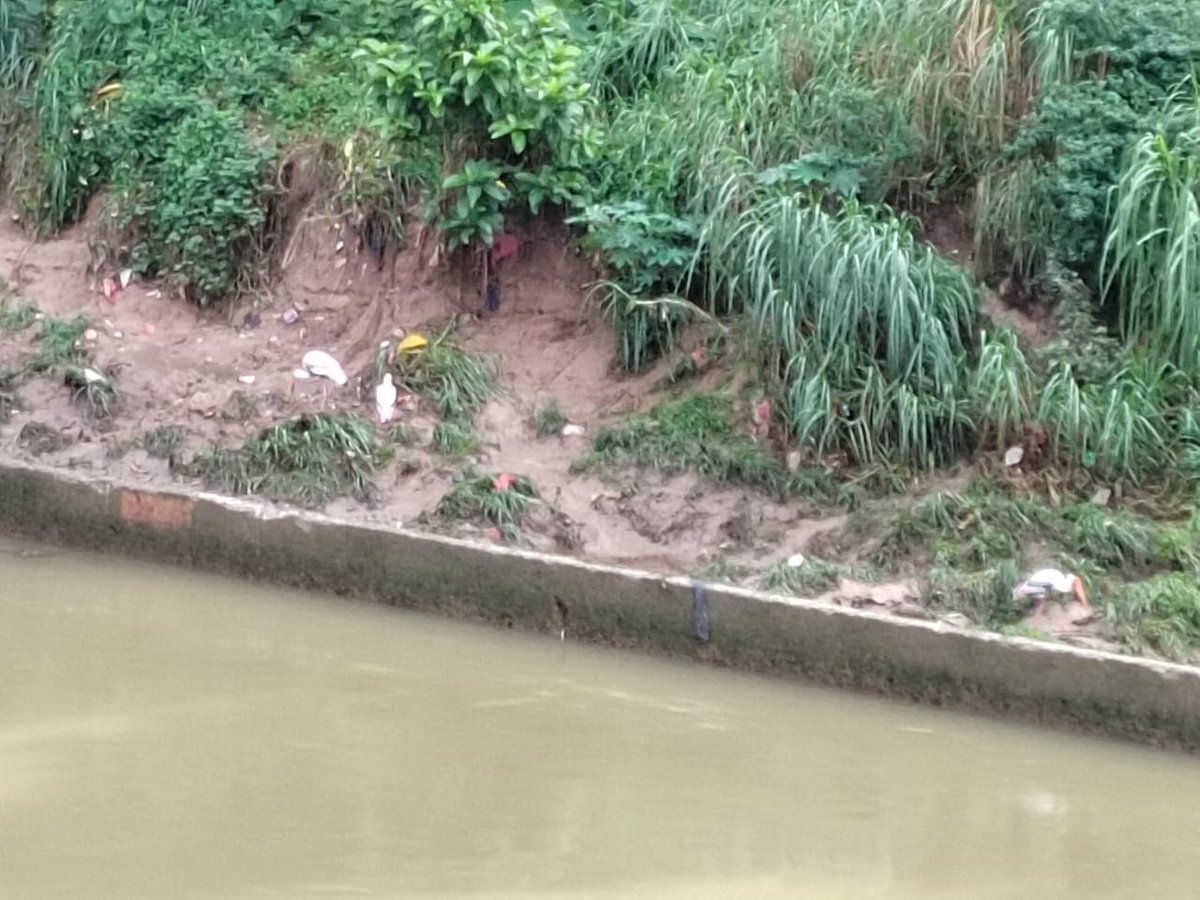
column 504, row 246
column 502, row 483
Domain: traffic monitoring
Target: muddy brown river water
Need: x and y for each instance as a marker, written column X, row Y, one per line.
column 165, row 734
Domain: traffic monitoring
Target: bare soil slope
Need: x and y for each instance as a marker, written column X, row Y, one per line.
column 227, row 374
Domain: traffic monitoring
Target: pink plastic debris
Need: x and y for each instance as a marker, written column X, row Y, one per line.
column 504, row 246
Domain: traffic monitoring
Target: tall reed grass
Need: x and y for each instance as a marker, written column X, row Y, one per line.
column 1152, row 254
column 22, row 30
column 740, row 87
column 868, row 331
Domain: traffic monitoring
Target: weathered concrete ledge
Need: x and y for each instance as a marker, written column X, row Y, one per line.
column 1091, row 691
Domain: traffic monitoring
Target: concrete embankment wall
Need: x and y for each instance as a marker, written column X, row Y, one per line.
column 1096, row 692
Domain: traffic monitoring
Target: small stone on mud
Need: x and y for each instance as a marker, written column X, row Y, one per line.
column 796, row 560
column 118, row 334
column 793, row 460
column 1014, row 455
column 572, row 430
column 246, row 379
column 1102, row 496
column 289, row 317
column 91, row 334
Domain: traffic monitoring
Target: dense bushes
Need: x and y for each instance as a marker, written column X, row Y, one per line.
column 1114, row 72
column 738, row 158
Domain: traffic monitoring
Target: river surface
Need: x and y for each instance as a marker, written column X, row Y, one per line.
column 165, row 734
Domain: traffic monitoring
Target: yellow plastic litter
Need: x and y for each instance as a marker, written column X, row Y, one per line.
column 412, row 342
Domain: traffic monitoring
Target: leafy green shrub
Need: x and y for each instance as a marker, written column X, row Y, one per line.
column 150, row 98
column 498, row 85
column 830, row 171
column 476, row 196
column 220, row 53
column 1081, row 342
column 556, row 185
column 1112, row 71
column 647, row 256
column 206, row 206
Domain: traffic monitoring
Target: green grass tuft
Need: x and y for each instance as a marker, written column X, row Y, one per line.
column 99, row 399
column 1162, row 614
column 547, row 419
column 692, row 432
column 17, row 318
column 456, row 382
column 163, row 441
column 58, row 345
column 813, row 576
column 969, row 529
column 308, row 461
column 983, row 595
column 476, row 497
column 722, row 569
column 455, row 439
